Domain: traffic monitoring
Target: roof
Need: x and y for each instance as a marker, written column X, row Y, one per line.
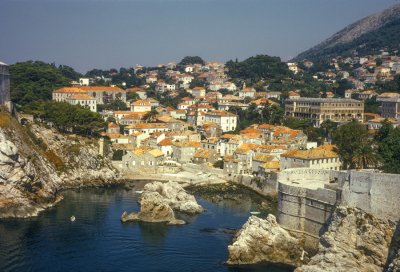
column 221, row 113
column 2, row 63
column 203, row 153
column 69, row 90
column 101, row 89
column 271, row 165
column 135, row 89
column 262, row 157
column 322, row 152
column 187, row 144
column 142, row 103
column 112, row 125
column 156, row 152
column 165, row 142
column 147, row 125
column 325, row 100
column 82, row 96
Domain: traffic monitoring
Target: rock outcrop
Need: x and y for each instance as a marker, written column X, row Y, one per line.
column 37, row 162
column 263, row 240
column 159, row 201
column 355, row 241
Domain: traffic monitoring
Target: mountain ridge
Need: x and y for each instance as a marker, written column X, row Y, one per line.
column 354, row 33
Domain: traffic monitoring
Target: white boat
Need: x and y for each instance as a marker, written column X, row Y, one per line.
column 138, row 192
column 72, row 218
column 255, row 213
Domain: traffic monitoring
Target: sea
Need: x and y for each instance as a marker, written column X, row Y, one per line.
column 98, row 241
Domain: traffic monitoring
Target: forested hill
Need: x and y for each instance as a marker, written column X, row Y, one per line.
column 366, row 36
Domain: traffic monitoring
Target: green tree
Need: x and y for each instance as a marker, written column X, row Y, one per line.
column 191, row 60
column 354, row 146
column 388, row 147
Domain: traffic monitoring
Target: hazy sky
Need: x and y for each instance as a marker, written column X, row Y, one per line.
column 88, row 34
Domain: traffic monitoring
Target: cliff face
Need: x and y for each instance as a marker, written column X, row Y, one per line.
column 355, row 241
column 36, row 162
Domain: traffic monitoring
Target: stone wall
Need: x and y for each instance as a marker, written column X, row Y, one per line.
column 262, row 186
column 4, row 84
column 308, row 197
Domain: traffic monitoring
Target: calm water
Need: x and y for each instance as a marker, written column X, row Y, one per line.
column 98, row 241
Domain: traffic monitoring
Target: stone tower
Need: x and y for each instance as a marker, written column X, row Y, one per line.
column 4, row 84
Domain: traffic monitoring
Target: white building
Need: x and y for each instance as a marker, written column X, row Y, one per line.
column 83, row 100
column 141, row 106
column 226, row 120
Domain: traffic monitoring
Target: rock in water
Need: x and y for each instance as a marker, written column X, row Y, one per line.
column 262, row 240
column 159, row 201
column 355, row 241
column 176, row 197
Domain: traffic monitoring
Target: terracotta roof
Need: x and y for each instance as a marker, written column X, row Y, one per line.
column 147, row 125
column 203, row 153
column 221, row 113
column 82, row 96
column 69, row 90
column 156, row 153
column 112, row 125
column 101, row 89
column 324, row 151
column 141, row 103
column 135, row 89
column 165, row 142
column 262, row 157
column 187, row 144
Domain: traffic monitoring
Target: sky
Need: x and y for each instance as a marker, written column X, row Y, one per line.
column 104, row 34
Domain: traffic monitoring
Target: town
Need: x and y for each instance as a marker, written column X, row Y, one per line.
column 188, row 113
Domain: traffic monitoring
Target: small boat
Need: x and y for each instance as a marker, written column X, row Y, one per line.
column 138, row 192
column 255, row 213
column 72, row 218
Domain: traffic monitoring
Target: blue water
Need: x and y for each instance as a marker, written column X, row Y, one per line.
column 98, row 241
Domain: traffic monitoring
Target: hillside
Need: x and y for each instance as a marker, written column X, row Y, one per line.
column 366, row 36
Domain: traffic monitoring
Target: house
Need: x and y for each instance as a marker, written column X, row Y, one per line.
column 151, row 79
column 83, row 100
column 155, row 138
column 113, row 128
column 138, row 138
column 143, row 160
column 63, row 93
column 376, row 123
column 199, row 91
column 172, row 123
column 226, row 120
column 367, row 94
column 132, row 118
column 166, row 147
column 181, row 136
column 211, row 130
column 183, row 152
column 146, row 128
column 247, row 92
column 178, row 114
column 162, row 87
column 293, row 67
column 323, row 157
column 260, row 159
column 293, row 95
column 205, row 156
column 390, row 105
column 139, row 91
column 141, row 106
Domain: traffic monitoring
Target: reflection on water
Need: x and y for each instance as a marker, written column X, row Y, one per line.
column 98, row 241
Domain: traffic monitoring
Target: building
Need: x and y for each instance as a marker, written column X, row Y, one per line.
column 183, row 152
column 141, row 106
column 320, row 109
column 147, row 128
column 390, row 105
column 226, row 120
column 83, row 100
column 4, row 83
column 323, row 157
column 102, row 94
column 143, row 160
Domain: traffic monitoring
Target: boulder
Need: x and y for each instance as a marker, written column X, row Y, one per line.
column 263, row 240
column 159, row 201
column 355, row 241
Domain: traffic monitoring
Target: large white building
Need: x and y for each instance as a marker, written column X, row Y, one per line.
column 226, row 120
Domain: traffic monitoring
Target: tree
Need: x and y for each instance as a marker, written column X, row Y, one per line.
column 191, row 60
column 388, row 147
column 148, row 117
column 354, row 146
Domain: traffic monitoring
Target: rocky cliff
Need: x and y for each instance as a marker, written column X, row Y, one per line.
column 355, row 241
column 263, row 240
column 36, row 162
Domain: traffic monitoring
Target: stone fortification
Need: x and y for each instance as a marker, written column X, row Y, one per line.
column 307, row 198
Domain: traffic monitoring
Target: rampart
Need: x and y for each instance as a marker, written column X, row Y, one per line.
column 308, row 197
